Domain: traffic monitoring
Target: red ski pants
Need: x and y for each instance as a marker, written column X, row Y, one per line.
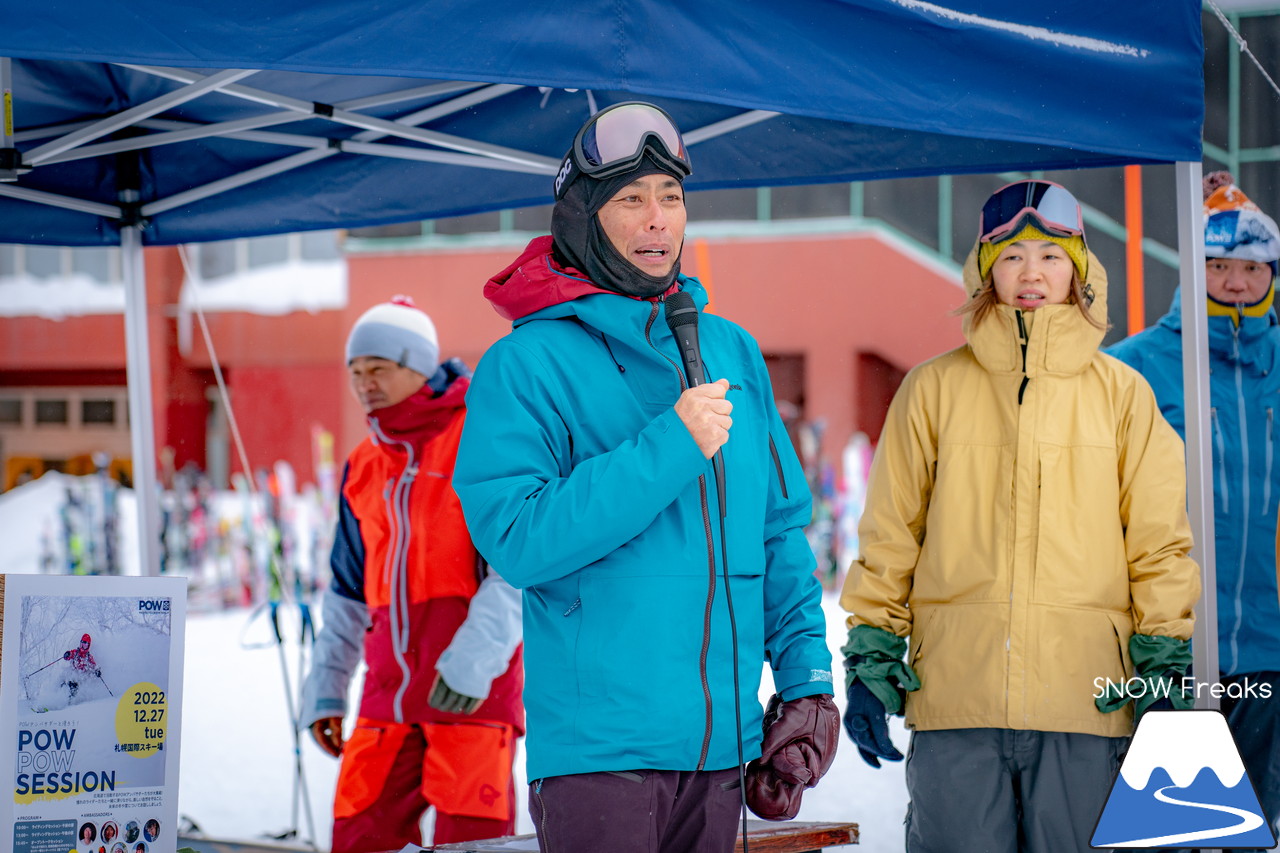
column 392, row 773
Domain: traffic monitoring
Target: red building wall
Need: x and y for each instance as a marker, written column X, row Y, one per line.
column 828, row 302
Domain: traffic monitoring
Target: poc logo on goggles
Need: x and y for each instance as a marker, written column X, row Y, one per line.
column 564, row 173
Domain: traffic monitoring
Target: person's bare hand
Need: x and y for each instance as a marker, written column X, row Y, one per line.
column 328, row 734
column 705, row 410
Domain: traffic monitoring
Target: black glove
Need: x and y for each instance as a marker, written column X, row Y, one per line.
column 445, row 698
column 868, row 725
column 98, row 673
column 66, row 655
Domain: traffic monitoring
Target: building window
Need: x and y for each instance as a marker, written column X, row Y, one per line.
column 318, row 245
column 97, row 411
column 268, row 251
column 51, row 411
column 11, row 411
column 44, row 261
column 95, row 263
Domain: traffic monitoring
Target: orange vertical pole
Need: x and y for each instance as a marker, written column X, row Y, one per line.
column 1133, row 248
column 703, row 256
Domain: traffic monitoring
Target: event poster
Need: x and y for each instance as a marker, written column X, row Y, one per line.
column 91, row 679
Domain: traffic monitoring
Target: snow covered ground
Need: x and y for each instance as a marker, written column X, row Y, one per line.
column 237, row 752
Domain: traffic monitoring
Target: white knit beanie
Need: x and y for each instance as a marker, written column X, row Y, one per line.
column 397, row 331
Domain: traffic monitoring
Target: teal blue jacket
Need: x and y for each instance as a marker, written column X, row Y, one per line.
column 581, row 486
column 1244, row 390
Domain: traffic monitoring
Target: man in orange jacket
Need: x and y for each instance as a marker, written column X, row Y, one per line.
column 439, row 630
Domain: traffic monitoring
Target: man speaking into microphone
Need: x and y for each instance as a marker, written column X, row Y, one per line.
column 657, row 529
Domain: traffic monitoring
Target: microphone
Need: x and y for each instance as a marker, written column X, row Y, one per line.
column 682, row 318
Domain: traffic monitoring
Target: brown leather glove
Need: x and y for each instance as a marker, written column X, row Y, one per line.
column 800, row 739
column 328, row 734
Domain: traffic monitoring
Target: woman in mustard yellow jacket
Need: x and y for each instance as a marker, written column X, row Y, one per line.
column 1025, row 527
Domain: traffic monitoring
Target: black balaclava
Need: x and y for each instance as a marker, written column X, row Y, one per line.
column 581, row 243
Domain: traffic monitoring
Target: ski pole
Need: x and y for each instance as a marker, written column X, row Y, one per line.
column 104, row 682
column 301, row 796
column 43, row 668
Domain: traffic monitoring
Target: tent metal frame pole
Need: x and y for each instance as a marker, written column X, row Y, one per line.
column 243, row 128
column 141, row 424
column 96, row 208
column 360, row 143
column 123, row 119
column 728, row 125
column 353, row 146
column 1196, row 399
column 352, row 119
column 8, row 172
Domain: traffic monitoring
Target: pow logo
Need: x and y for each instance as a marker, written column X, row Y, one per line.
column 488, row 794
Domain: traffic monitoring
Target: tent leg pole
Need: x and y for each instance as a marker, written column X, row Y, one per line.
column 1195, row 385
column 142, row 426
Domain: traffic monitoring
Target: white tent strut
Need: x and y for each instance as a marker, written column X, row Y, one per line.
column 138, row 372
column 1195, row 388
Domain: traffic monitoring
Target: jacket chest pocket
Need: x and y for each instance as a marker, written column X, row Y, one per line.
column 1080, row 557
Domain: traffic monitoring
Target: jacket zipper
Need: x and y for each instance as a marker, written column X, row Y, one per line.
column 542, row 818
column 1220, row 465
column 1022, row 387
column 1241, row 413
column 711, row 562
column 1266, row 480
column 396, row 566
column 1022, row 338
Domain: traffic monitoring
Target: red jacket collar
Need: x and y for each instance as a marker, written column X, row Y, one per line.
column 421, row 416
column 535, row 281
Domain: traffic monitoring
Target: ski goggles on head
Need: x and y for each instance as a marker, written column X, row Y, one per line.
column 1050, row 206
column 615, row 140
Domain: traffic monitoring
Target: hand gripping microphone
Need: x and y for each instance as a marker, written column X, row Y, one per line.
column 682, row 318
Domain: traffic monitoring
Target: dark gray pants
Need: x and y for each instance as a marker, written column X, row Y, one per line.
column 1255, row 725
column 1007, row 791
column 638, row 811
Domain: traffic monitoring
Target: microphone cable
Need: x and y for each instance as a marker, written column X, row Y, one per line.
column 677, row 307
column 733, row 632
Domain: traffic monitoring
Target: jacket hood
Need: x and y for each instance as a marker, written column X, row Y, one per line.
column 534, row 284
column 426, row 412
column 1061, row 340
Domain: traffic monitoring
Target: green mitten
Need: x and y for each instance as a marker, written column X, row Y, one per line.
column 1162, row 662
column 874, row 657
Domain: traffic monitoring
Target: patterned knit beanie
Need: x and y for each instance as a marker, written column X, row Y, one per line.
column 1234, row 227
column 397, row 331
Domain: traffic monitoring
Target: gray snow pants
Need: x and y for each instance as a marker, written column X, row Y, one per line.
column 1007, row 791
column 637, row 811
column 1255, row 725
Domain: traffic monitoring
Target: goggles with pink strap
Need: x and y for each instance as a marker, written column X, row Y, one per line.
column 1049, row 206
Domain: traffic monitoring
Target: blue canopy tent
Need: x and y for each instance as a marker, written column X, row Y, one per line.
column 169, row 122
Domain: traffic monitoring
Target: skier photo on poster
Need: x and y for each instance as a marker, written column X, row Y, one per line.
column 72, row 704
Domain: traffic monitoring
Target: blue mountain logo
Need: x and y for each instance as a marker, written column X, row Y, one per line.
column 1182, row 784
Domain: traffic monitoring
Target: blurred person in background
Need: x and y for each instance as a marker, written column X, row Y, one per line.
column 438, row 629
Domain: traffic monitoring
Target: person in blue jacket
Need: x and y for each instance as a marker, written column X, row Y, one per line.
column 1242, row 245
column 586, row 478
